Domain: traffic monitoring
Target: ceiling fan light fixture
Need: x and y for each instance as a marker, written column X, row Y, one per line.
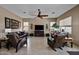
column 39, row 14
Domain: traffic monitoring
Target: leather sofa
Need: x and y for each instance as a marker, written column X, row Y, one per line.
column 14, row 40
column 56, row 43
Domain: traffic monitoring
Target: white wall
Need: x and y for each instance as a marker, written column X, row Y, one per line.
column 74, row 13
column 5, row 13
column 39, row 21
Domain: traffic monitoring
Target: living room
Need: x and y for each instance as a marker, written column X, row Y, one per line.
column 38, row 23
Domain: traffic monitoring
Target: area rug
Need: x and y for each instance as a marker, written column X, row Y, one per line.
column 73, row 52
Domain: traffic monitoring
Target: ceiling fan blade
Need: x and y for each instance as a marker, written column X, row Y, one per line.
column 39, row 14
column 44, row 15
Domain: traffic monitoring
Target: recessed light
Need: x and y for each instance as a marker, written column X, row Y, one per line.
column 24, row 12
column 53, row 12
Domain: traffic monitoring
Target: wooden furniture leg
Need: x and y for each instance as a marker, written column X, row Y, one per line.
column 60, row 48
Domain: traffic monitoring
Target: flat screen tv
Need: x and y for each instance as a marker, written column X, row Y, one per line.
column 39, row 27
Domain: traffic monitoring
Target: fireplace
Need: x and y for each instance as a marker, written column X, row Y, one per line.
column 39, row 30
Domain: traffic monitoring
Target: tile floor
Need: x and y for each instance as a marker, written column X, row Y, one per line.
column 37, row 46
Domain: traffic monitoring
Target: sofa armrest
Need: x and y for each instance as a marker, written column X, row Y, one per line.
column 22, row 36
column 20, row 44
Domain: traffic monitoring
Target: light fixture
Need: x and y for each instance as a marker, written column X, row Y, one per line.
column 24, row 12
column 53, row 12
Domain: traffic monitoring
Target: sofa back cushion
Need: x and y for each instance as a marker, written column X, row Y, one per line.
column 58, row 40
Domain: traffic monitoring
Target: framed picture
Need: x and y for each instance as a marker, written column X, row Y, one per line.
column 14, row 24
column 7, row 22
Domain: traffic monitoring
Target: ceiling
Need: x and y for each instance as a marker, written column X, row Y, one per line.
column 31, row 10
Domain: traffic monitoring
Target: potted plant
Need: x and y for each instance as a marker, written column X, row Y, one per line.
column 55, row 26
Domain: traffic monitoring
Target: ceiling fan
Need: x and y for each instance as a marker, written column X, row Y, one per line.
column 39, row 14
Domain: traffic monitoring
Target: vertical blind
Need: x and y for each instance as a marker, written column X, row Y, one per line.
column 66, row 24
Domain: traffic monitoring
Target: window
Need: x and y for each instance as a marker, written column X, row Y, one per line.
column 51, row 24
column 66, row 24
column 26, row 26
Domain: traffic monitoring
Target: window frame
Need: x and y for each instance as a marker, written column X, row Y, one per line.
column 26, row 26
